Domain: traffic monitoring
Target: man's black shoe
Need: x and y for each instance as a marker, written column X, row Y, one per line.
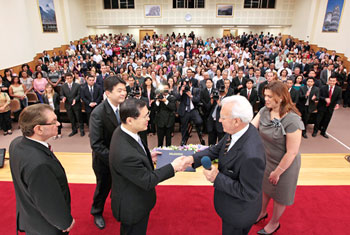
column 73, row 133
column 314, row 134
column 325, row 135
column 82, row 133
column 305, row 135
column 99, row 221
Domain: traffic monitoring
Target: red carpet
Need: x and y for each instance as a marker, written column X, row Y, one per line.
column 189, row 210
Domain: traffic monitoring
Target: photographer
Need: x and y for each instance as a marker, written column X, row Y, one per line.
column 165, row 107
column 205, row 100
column 214, row 127
column 189, row 99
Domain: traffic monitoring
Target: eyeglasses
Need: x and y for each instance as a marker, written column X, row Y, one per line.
column 144, row 117
column 49, row 124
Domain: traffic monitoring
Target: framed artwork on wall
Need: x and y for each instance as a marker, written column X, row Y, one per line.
column 48, row 16
column 224, row 10
column 153, row 11
column 333, row 15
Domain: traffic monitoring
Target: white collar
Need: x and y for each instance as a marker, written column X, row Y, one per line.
column 38, row 141
column 133, row 135
column 113, row 107
column 237, row 135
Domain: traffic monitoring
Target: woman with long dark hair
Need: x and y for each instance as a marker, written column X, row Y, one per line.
column 280, row 126
column 148, row 91
column 52, row 98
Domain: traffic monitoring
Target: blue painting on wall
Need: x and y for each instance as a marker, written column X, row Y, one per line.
column 333, row 15
column 48, row 15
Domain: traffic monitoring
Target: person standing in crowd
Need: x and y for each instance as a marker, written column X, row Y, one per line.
column 149, row 92
column 42, row 193
column 269, row 78
column 250, row 93
column 26, row 81
column 189, row 98
column 308, row 95
column 5, row 113
column 39, row 84
column 133, row 176
column 54, row 78
column 330, row 98
column 280, row 127
column 91, row 94
column 104, row 120
column 238, row 83
column 70, row 93
column 294, row 94
column 165, row 107
column 52, row 98
column 237, row 180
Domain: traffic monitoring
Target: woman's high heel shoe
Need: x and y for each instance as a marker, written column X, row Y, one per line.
column 262, row 218
column 263, row 232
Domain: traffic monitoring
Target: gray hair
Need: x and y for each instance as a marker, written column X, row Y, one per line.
column 241, row 108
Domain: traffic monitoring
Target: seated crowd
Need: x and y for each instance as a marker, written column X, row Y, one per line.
column 180, row 76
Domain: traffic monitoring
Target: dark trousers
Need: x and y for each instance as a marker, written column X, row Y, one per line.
column 5, row 121
column 305, row 116
column 214, row 136
column 194, row 116
column 322, row 120
column 164, row 132
column 75, row 116
column 139, row 228
column 228, row 229
column 103, row 185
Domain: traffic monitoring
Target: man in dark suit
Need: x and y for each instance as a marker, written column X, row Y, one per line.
column 189, row 99
column 238, row 179
column 104, row 120
column 294, row 94
column 250, row 93
column 330, row 98
column 306, row 103
column 133, row 176
column 70, row 93
column 91, row 94
column 326, row 73
column 41, row 187
column 238, row 83
column 165, row 107
column 269, row 78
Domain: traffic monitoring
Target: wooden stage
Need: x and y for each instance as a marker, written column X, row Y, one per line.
column 316, row 169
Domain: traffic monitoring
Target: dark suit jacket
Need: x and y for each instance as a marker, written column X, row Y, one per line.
column 56, row 101
column 235, row 83
column 253, row 95
column 165, row 113
column 86, row 96
column 133, row 178
column 294, row 94
column 238, row 186
column 42, row 192
column 103, row 122
column 324, row 93
column 195, row 100
column 73, row 94
column 302, row 99
column 205, row 100
column 324, row 76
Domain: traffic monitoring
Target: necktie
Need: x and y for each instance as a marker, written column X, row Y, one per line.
column 140, row 143
column 228, row 142
column 50, row 147
column 307, row 99
column 70, row 86
column 91, row 92
column 330, row 95
column 117, row 114
column 248, row 94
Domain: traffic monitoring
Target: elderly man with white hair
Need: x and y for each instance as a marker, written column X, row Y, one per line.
column 238, row 178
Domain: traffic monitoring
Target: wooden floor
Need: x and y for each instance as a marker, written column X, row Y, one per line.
column 316, row 169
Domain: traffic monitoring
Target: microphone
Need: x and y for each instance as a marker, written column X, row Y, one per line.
column 206, row 162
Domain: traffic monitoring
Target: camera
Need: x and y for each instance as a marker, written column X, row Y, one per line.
column 187, row 86
column 215, row 94
column 222, row 89
column 134, row 92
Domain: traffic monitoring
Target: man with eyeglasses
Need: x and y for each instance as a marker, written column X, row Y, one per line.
column 133, row 175
column 103, row 121
column 41, row 187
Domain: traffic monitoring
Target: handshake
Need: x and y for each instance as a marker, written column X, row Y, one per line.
column 181, row 163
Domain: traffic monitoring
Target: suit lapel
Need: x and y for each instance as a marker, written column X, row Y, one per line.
column 110, row 114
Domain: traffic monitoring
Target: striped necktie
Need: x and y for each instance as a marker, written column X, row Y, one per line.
column 228, row 142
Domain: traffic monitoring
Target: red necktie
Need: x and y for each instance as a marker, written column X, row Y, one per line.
column 248, row 94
